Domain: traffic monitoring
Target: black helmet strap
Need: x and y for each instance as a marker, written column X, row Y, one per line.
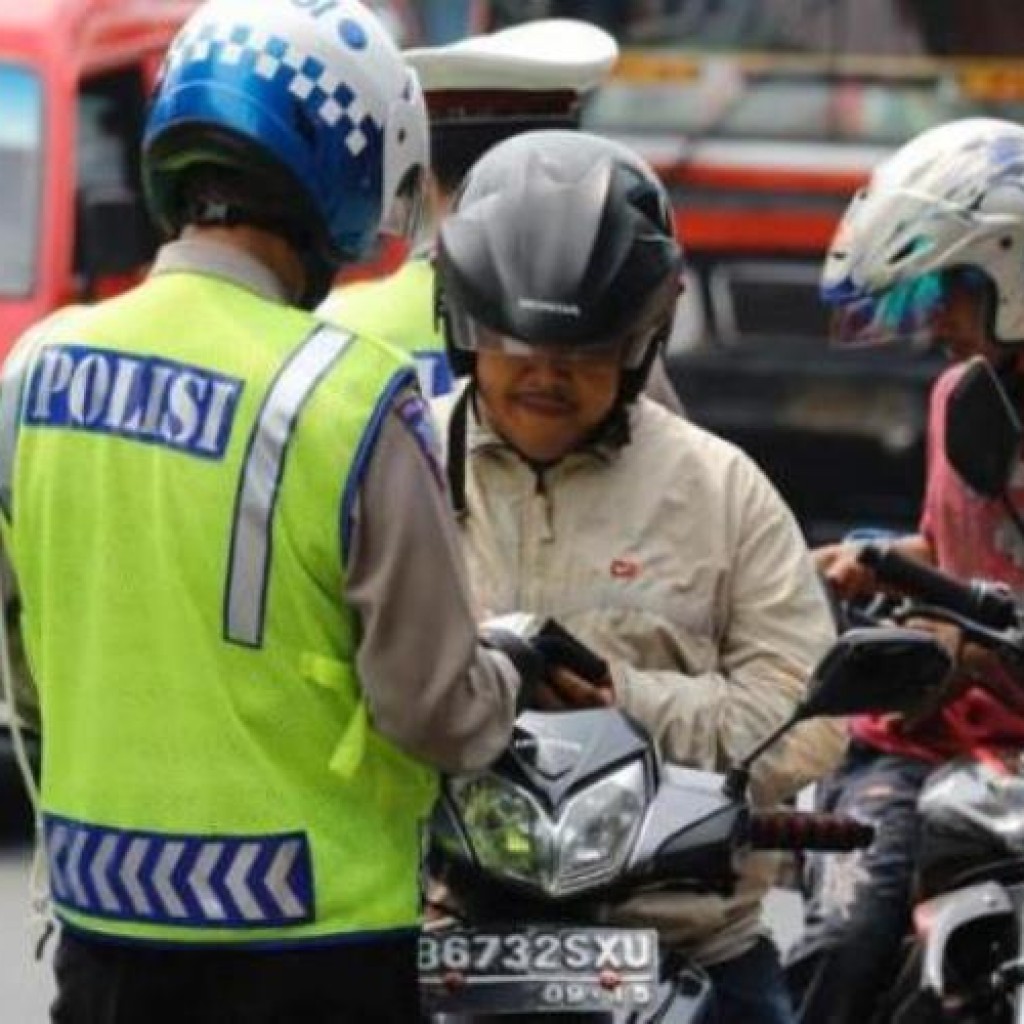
column 613, row 429
column 457, row 453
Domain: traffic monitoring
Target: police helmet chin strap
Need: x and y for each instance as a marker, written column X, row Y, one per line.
column 41, row 919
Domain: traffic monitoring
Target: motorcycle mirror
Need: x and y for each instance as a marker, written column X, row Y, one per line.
column 983, row 430
column 872, row 669
column 875, row 669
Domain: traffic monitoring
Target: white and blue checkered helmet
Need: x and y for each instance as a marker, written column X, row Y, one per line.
column 315, row 92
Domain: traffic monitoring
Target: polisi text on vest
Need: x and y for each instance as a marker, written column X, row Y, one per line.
column 156, row 401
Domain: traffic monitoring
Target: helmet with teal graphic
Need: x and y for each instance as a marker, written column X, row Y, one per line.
column 945, row 211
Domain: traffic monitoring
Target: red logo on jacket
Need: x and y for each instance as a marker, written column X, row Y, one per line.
column 625, row 569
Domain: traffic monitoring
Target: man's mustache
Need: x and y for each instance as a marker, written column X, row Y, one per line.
column 550, row 394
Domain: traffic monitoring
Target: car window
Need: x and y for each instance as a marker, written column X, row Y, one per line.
column 21, row 175
column 690, row 327
column 110, row 117
column 767, row 300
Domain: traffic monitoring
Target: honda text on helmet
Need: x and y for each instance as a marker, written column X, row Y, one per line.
column 560, row 241
column 946, row 210
column 335, row 134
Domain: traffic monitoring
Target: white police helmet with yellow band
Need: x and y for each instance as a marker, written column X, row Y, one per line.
column 487, row 88
column 316, row 87
column 951, row 199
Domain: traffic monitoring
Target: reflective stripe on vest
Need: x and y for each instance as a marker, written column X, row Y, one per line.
column 228, row 881
column 249, row 564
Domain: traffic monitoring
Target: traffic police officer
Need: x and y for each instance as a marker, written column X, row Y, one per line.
column 242, row 597
column 479, row 91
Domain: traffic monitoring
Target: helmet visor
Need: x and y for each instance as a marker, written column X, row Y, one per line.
column 405, row 215
column 406, row 159
column 907, row 312
column 471, row 335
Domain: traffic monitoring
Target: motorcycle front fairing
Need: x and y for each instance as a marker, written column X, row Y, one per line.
column 580, row 806
column 972, row 816
column 972, row 860
column 577, row 814
column 943, row 920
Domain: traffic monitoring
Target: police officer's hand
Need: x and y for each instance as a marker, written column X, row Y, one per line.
column 565, row 690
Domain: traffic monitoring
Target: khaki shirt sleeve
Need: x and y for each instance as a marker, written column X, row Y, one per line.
column 776, row 627
column 431, row 688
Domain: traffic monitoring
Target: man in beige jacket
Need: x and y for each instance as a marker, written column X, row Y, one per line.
column 662, row 547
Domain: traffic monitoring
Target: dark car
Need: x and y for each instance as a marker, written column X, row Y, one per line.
column 841, row 433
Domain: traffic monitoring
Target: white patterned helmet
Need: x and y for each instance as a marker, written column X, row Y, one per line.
column 951, row 199
column 312, row 99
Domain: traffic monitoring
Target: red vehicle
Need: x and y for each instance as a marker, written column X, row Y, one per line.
column 74, row 78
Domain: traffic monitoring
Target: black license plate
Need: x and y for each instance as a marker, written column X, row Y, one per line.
column 536, row 970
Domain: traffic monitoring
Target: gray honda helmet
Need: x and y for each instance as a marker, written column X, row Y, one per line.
column 561, row 240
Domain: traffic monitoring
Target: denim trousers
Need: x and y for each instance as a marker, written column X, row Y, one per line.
column 859, row 903
column 751, row 988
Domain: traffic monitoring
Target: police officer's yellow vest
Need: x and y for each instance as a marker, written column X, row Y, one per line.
column 179, row 528
column 400, row 310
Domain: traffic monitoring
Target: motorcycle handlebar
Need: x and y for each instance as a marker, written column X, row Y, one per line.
column 802, row 830
column 988, row 604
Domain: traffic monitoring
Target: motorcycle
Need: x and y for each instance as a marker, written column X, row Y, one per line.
column 581, row 812
column 963, row 961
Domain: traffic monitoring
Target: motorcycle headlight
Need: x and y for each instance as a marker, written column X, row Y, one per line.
column 598, row 828
column 506, row 827
column 583, row 847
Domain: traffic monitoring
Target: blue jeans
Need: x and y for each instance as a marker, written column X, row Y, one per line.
column 858, row 906
column 750, row 989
